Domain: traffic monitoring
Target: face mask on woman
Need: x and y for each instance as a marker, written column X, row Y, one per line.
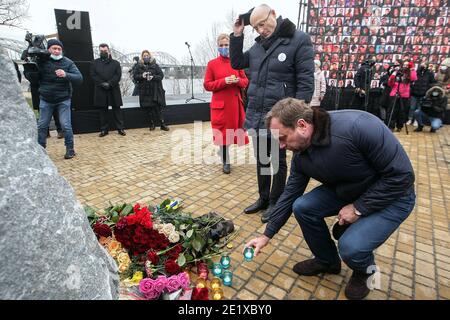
column 224, row 52
column 147, row 60
column 435, row 93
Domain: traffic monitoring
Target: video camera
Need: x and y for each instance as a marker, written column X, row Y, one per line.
column 37, row 48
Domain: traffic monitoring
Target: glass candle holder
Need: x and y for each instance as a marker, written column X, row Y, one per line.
column 217, row 294
column 225, row 261
column 228, row 278
column 217, row 270
column 249, row 253
column 216, row 284
column 201, row 283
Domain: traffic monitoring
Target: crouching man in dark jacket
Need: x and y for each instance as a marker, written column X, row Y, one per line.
column 280, row 65
column 367, row 181
column 55, row 79
column 432, row 109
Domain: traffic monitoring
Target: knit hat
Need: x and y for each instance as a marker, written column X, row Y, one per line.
column 54, row 42
column 317, row 63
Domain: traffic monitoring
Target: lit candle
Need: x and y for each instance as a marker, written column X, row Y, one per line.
column 201, row 283
column 248, row 253
column 217, row 294
column 217, row 269
column 228, row 278
column 225, row 261
column 216, row 284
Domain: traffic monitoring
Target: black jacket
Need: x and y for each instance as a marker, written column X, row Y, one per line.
column 355, row 154
column 425, row 79
column 286, row 69
column 51, row 88
column 151, row 93
column 107, row 70
column 363, row 76
column 434, row 106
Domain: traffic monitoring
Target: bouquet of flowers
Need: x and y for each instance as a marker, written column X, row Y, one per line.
column 153, row 246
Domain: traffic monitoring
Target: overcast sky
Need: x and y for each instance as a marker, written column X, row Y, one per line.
column 132, row 25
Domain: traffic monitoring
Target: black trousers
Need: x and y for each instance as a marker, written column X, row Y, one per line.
column 117, row 115
column 156, row 117
column 270, row 186
column 225, row 154
column 399, row 108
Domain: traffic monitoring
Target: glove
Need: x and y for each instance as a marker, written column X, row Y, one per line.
column 411, row 65
column 105, row 85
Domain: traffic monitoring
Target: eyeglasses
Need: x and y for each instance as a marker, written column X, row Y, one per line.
column 262, row 23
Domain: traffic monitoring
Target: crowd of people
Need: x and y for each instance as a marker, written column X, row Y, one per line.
column 367, row 178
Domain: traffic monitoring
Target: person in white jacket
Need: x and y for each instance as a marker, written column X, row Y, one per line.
column 320, row 85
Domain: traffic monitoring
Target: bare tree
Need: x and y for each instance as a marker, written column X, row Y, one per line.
column 12, row 12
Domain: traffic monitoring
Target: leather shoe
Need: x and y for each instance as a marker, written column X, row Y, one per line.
column 60, row 135
column 121, row 132
column 103, row 133
column 312, row 267
column 265, row 217
column 164, row 127
column 356, row 288
column 257, row 206
column 226, row 168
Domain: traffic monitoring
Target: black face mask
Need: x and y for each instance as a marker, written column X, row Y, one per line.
column 146, row 60
column 104, row 55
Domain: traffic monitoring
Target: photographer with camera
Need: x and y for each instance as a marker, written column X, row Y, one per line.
column 149, row 77
column 55, row 74
column 425, row 79
column 386, row 91
column 106, row 73
column 400, row 82
column 432, row 109
column 363, row 79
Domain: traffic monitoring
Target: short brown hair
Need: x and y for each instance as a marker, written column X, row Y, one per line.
column 288, row 111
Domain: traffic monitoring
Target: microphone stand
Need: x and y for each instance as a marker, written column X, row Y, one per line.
column 192, row 76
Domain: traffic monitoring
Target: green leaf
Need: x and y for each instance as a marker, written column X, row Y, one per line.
column 115, row 217
column 189, row 258
column 127, row 210
column 190, row 233
column 165, row 203
column 197, row 244
column 181, row 260
column 183, row 227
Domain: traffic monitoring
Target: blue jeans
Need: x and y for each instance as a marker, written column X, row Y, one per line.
column 357, row 244
column 45, row 115
column 423, row 118
column 415, row 105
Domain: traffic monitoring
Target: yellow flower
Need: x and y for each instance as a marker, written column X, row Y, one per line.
column 123, row 258
column 114, row 246
column 137, row 277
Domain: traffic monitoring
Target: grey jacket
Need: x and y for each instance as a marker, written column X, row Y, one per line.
column 286, row 69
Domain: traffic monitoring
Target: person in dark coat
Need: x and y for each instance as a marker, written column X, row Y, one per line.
column 106, row 73
column 367, row 182
column 280, row 64
column 432, row 109
column 149, row 77
column 55, row 79
column 425, row 80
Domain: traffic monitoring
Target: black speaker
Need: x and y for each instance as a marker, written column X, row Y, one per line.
column 74, row 31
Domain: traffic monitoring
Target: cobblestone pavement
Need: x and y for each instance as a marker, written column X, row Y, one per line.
column 414, row 262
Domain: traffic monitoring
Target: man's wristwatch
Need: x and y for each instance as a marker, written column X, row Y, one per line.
column 358, row 213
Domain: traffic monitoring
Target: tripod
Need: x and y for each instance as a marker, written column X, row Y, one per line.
column 399, row 99
column 192, row 76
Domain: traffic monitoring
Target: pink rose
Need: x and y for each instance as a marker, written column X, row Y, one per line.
column 173, row 284
column 146, row 285
column 152, row 295
column 183, row 279
column 160, row 283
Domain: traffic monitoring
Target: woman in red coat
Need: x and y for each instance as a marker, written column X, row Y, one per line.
column 227, row 107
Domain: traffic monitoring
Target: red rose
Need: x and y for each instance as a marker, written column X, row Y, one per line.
column 152, row 256
column 172, row 267
column 200, row 294
column 102, row 230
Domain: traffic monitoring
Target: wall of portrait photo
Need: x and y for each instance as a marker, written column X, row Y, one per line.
column 347, row 32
